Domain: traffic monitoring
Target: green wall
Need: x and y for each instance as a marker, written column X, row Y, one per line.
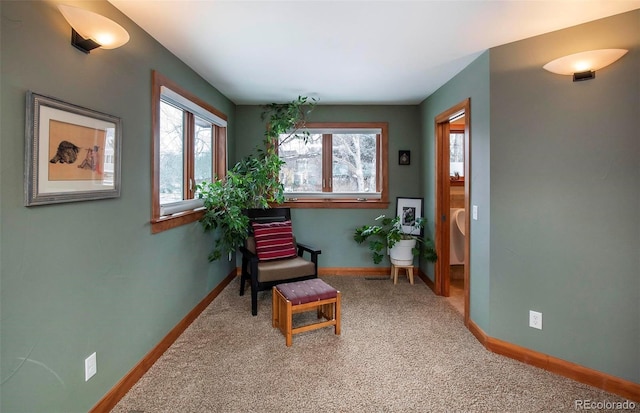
column 332, row 229
column 555, row 173
column 565, row 228
column 87, row 277
column 473, row 83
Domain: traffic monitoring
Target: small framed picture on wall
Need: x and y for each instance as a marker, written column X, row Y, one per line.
column 404, row 157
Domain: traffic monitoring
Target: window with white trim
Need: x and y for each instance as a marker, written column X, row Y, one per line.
column 189, row 148
column 336, row 163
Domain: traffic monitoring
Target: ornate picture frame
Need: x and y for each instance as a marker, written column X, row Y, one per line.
column 71, row 153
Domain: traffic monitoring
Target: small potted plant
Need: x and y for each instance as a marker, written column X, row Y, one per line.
column 388, row 235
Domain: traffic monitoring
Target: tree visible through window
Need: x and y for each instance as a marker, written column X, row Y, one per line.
column 174, row 122
column 171, row 153
column 302, row 169
column 456, row 153
column 335, row 163
column 189, row 148
column 354, row 162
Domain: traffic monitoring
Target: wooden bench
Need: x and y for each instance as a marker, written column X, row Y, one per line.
column 301, row 296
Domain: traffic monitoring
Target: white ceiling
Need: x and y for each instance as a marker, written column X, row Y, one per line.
column 349, row 51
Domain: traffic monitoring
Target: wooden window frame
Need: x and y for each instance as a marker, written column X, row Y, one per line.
column 219, row 157
column 382, row 170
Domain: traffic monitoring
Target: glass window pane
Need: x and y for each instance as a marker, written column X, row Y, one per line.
column 302, row 171
column 354, row 162
column 203, row 155
column 171, row 155
column 456, row 154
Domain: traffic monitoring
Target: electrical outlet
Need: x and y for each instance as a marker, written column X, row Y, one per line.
column 535, row 320
column 475, row 212
column 90, row 367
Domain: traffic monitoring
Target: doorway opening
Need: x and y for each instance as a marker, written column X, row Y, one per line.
column 453, row 182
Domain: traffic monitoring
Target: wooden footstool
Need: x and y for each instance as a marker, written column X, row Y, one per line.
column 395, row 269
column 301, row 296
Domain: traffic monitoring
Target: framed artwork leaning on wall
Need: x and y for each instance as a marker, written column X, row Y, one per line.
column 409, row 210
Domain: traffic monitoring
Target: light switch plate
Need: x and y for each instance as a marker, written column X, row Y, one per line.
column 90, row 367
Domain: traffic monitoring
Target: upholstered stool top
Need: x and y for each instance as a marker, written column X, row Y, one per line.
column 302, row 292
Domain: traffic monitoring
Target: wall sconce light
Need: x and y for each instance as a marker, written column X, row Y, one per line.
column 583, row 65
column 90, row 30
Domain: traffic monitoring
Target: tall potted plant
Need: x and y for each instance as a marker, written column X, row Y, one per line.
column 388, row 236
column 253, row 182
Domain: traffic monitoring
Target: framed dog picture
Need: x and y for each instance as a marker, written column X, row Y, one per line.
column 71, row 153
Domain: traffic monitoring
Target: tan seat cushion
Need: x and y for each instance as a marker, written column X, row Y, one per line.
column 285, row 269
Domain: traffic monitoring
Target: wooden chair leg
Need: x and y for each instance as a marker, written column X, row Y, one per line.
column 337, row 314
column 327, row 311
column 287, row 323
column 254, row 300
column 275, row 302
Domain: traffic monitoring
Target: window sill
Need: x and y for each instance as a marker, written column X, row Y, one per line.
column 336, row 204
column 175, row 220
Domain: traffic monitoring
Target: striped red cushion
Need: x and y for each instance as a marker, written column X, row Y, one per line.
column 274, row 240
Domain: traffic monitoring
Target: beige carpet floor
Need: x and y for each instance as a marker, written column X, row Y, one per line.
column 402, row 349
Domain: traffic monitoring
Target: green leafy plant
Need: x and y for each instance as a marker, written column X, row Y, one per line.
column 253, row 182
column 224, row 202
column 388, row 231
column 287, row 118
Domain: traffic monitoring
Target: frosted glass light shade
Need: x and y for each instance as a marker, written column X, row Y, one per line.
column 591, row 60
column 107, row 33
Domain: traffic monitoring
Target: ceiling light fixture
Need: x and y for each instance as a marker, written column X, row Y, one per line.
column 90, row 30
column 583, row 65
